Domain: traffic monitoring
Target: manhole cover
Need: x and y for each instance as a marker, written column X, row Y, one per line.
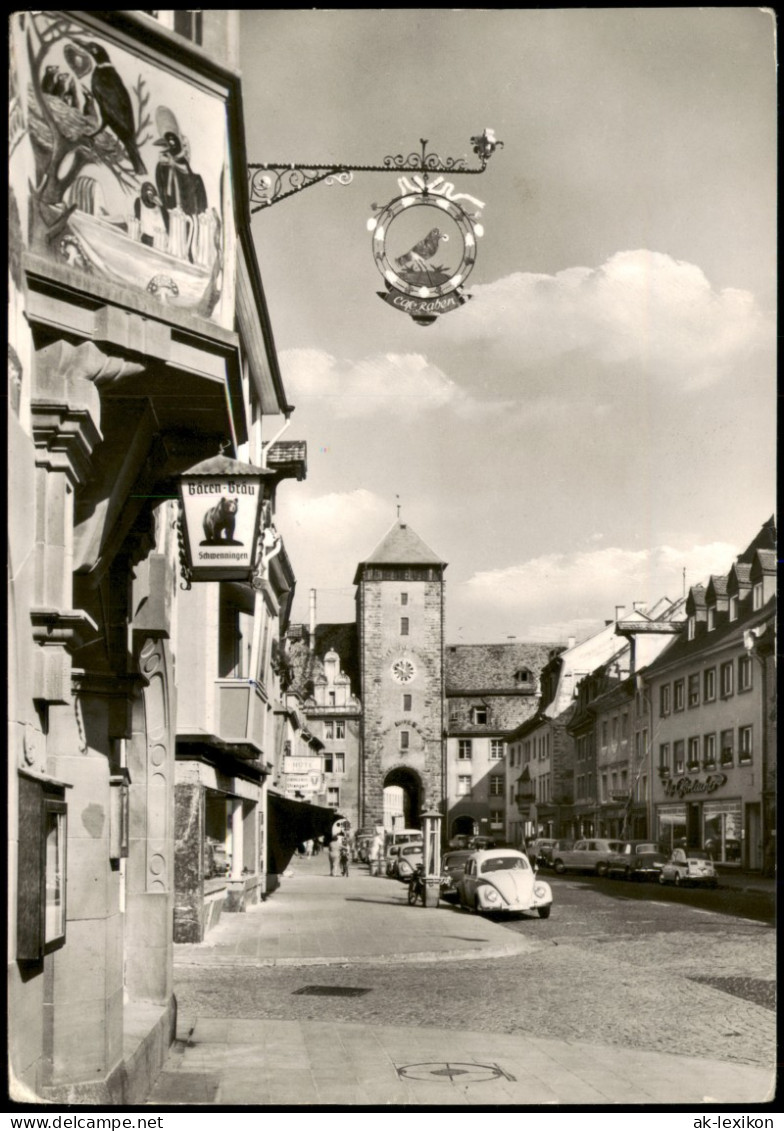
column 453, row 1071
column 333, row 991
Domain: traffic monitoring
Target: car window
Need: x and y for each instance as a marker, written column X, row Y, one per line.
column 505, row 864
column 411, row 850
column 646, row 848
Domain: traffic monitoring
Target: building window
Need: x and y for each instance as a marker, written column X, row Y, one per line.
column 331, row 697
column 496, row 749
column 614, row 727
column 189, row 24
column 496, row 785
column 463, row 785
column 678, row 695
column 404, row 598
column 404, row 626
column 479, row 715
column 339, row 764
column 709, row 751
column 522, row 675
column 756, row 595
column 496, row 819
column 709, row 685
column 722, row 830
column 625, row 726
column 727, row 747
column 406, row 702
column 745, row 745
column 328, row 763
column 340, row 730
column 329, row 731
column 694, row 753
column 691, row 627
column 711, row 618
column 664, row 699
column 694, row 690
column 745, row 673
column 727, row 680
column 734, row 607
column 664, row 756
column 678, row 751
column 605, row 735
column 333, row 796
column 404, row 737
column 464, row 749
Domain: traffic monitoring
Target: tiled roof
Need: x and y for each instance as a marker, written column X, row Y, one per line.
column 739, row 577
column 717, row 586
column 683, row 648
column 402, row 546
column 492, row 667
column 504, row 713
column 765, row 540
column 767, row 561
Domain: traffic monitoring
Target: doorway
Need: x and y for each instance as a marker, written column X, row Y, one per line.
column 402, row 799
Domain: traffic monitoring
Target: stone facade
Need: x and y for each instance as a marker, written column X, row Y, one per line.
column 400, row 614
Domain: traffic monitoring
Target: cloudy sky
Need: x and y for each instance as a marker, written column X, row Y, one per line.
column 600, row 416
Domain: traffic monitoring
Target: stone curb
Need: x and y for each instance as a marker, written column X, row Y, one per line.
column 506, row 951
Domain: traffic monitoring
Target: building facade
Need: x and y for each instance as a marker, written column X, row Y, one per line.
column 138, row 338
column 711, row 698
column 490, row 690
column 400, row 623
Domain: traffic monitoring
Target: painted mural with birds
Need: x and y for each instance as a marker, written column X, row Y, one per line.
column 111, row 98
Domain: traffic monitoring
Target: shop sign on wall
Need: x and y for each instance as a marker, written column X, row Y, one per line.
column 684, row 787
column 301, row 765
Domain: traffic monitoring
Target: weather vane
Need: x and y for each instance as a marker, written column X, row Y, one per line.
column 424, row 265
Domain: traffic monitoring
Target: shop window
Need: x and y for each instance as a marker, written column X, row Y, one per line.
column 464, row 747
column 464, row 785
column 41, row 897
column 664, row 699
column 694, row 690
column 496, row 749
column 709, row 751
column 671, row 820
column 709, row 685
column 726, row 676
column 727, row 747
column 678, row 695
column 745, row 745
column 722, row 830
column 217, row 834
column 496, row 785
column 745, row 673
column 694, row 753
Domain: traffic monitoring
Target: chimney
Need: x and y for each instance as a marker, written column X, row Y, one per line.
column 313, row 620
column 618, row 611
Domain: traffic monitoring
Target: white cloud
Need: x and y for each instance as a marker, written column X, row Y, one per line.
column 568, row 594
column 641, row 311
column 391, row 383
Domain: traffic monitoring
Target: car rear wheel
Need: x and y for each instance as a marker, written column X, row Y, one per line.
column 544, row 912
column 559, row 867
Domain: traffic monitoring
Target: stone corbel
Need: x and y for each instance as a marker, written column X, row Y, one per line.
column 59, row 635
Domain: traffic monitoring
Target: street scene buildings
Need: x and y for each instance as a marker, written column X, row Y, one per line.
column 180, row 744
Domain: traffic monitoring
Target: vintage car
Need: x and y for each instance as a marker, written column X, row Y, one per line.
column 637, row 860
column 502, row 880
column 536, row 848
column 406, row 861
column 548, row 851
column 461, row 840
column 452, row 868
column 589, row 855
column 689, row 866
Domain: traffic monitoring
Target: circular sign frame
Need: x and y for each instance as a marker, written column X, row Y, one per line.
column 392, row 274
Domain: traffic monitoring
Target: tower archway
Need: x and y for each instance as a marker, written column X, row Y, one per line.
column 403, row 798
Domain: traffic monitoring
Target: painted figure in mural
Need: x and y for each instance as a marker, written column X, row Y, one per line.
column 181, row 191
column 147, row 210
column 112, row 99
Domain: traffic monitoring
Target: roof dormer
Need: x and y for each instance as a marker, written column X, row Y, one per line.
column 716, row 601
column 696, row 612
column 763, row 578
column 738, row 587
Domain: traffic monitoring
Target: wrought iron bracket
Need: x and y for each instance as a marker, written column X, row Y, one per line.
column 273, row 181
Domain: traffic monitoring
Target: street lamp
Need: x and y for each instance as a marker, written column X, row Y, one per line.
column 221, row 514
column 431, row 863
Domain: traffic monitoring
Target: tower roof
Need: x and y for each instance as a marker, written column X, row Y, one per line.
column 400, row 546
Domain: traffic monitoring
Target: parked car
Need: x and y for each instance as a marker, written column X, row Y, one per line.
column 548, row 852
column 535, row 847
column 689, row 866
column 637, row 860
column 461, row 840
column 502, row 879
column 406, row 861
column 586, row 856
column 452, row 867
column 480, row 843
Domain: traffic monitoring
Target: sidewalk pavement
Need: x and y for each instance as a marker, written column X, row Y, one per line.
column 315, row 919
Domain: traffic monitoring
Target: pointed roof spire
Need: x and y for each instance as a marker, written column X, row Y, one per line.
column 401, row 546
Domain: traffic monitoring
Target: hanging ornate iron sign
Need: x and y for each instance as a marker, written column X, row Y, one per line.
column 424, row 257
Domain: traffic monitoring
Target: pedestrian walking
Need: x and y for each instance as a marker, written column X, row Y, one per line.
column 334, row 855
column 344, row 856
column 374, row 852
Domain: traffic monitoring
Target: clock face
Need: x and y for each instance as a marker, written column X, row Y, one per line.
column 403, row 670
